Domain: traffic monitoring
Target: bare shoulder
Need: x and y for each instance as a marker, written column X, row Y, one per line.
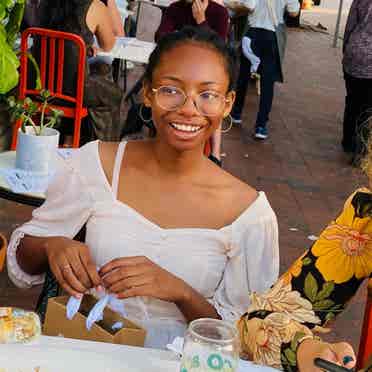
column 94, row 14
column 107, row 153
column 233, row 191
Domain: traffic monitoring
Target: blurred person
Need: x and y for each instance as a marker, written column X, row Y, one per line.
column 264, row 43
column 357, row 66
column 102, row 97
column 201, row 13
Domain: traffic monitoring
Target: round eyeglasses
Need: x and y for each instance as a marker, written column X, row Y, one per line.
column 208, row 103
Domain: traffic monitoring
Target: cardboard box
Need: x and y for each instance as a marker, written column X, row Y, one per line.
column 56, row 324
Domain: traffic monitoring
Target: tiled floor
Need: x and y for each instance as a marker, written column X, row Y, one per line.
column 301, row 166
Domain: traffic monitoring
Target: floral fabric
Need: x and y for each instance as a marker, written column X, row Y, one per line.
column 314, row 290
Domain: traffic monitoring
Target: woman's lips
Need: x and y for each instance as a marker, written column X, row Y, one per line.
column 185, row 130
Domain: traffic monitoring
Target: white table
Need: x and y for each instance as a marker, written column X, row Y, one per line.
column 78, row 354
column 131, row 49
column 7, row 161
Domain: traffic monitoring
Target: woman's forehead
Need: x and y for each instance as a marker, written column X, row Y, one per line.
column 192, row 62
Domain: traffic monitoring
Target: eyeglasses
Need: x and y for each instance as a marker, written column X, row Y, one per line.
column 208, row 103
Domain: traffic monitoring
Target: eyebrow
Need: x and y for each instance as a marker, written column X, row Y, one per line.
column 173, row 78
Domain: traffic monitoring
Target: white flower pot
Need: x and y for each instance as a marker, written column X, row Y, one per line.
column 37, row 153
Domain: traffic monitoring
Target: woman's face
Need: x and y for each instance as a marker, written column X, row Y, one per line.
column 192, row 68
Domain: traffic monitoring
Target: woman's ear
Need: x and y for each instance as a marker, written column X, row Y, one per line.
column 147, row 94
column 230, row 99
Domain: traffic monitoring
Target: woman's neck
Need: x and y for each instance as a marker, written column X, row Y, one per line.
column 172, row 162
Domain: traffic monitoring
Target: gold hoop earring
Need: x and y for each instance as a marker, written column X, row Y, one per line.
column 230, row 125
column 140, row 114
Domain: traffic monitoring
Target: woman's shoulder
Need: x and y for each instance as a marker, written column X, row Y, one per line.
column 244, row 201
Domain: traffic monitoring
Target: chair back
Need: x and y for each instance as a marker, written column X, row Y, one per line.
column 3, row 245
column 51, row 64
column 365, row 345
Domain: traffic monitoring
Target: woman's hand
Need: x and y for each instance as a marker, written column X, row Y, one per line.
column 72, row 265
column 139, row 276
column 341, row 353
column 199, row 8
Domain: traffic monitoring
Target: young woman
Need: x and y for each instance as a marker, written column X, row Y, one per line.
column 175, row 237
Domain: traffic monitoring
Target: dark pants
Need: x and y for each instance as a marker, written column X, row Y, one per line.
column 265, row 47
column 358, row 109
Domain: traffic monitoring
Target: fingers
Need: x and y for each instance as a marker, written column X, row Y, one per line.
column 90, row 268
column 345, row 354
column 128, row 283
column 143, row 290
column 122, row 262
column 56, row 270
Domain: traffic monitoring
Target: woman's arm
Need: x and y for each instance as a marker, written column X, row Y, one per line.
column 117, row 23
column 100, row 23
column 313, row 291
column 139, row 276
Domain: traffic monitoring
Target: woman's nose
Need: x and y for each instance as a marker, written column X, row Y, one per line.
column 189, row 107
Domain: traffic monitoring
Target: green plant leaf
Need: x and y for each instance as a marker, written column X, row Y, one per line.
column 291, row 356
column 329, row 316
column 323, row 305
column 327, row 289
column 311, row 287
column 296, row 337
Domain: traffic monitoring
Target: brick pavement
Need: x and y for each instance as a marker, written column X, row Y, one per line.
column 301, row 167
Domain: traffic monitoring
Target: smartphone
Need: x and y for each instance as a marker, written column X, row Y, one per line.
column 329, row 366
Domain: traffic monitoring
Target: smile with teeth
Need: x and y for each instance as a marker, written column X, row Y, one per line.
column 185, row 128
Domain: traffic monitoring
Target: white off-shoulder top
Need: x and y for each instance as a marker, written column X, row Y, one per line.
column 224, row 265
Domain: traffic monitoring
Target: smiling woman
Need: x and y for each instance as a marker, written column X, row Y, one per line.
column 157, row 212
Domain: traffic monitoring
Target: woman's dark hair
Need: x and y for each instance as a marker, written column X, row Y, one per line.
column 186, row 35
column 61, row 14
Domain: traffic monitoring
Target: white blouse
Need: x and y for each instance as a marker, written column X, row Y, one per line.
column 224, row 265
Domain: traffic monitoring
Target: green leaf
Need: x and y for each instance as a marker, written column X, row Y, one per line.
column 323, row 305
column 296, row 337
column 326, row 291
column 291, row 356
column 306, row 261
column 329, row 316
column 311, row 287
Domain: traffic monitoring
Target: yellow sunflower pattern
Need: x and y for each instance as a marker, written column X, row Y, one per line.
column 313, row 291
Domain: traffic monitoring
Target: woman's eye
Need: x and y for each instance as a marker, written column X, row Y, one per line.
column 209, row 96
column 169, row 90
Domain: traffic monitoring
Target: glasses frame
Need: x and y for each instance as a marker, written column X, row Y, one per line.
column 186, row 96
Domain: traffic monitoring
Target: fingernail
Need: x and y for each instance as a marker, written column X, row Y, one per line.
column 79, row 296
column 99, row 288
column 347, row 359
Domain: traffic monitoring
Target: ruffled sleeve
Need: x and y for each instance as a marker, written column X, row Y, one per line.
column 253, row 260
column 66, row 209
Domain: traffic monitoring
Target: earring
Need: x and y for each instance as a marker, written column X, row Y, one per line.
column 230, row 124
column 140, row 114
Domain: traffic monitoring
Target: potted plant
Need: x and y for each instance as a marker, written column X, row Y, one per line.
column 11, row 14
column 37, row 139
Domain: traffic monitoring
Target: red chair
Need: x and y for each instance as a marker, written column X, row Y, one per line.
column 365, row 346
column 53, row 45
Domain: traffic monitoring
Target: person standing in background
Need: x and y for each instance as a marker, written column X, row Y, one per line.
column 265, row 46
column 357, row 66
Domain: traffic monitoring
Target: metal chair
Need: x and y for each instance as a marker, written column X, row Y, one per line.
column 365, row 346
column 52, row 50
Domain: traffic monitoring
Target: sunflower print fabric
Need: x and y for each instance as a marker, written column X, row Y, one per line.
column 313, row 291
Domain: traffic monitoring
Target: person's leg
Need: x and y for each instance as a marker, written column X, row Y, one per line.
column 241, row 88
column 351, row 113
column 266, row 100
